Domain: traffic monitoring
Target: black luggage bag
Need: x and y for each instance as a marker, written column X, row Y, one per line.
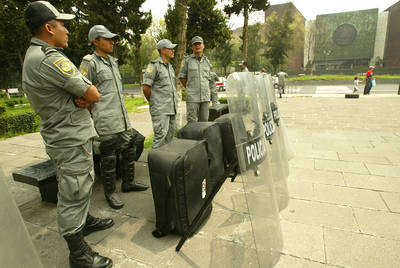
column 217, row 111
column 211, row 133
column 180, row 185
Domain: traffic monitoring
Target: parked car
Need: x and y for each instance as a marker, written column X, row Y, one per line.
column 220, row 84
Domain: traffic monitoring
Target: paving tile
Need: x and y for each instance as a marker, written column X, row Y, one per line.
column 392, row 200
column 52, row 249
column 134, row 239
column 231, row 197
column 384, row 170
column 330, row 155
column 372, row 182
column 349, row 196
column 341, row 166
column 326, row 144
column 316, row 176
column 320, row 214
column 303, row 240
column 394, row 158
column 39, row 213
column 301, row 189
column 202, row 252
column 366, row 158
column 299, row 162
column 378, row 223
column 286, row 261
column 351, row 249
column 229, row 226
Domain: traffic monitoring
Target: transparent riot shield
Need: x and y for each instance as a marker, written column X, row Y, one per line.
column 254, row 157
column 279, row 167
column 287, row 151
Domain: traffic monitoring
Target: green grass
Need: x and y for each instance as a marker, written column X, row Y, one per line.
column 133, row 103
column 329, row 77
column 148, row 142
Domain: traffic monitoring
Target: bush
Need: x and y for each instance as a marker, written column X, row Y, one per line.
column 27, row 122
column 11, row 103
column 184, row 94
column 223, row 100
column 2, row 110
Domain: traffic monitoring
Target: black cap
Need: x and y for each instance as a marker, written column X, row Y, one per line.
column 39, row 12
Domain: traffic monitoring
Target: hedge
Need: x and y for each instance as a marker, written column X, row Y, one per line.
column 27, row 122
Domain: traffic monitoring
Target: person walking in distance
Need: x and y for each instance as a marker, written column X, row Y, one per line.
column 60, row 95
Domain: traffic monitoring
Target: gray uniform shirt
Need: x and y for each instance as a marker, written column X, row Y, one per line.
column 109, row 114
column 161, row 78
column 197, row 73
column 51, row 82
column 281, row 78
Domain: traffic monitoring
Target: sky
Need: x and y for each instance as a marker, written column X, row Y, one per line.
column 309, row 8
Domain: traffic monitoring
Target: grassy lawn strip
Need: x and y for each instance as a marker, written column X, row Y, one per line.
column 336, row 77
column 133, row 103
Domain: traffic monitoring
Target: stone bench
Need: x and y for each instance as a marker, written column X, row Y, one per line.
column 43, row 176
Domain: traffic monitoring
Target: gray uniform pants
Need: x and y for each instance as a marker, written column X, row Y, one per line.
column 197, row 111
column 163, row 128
column 75, row 177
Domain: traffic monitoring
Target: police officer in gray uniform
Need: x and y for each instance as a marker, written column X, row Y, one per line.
column 243, row 66
column 213, row 87
column 159, row 89
column 59, row 94
column 110, row 117
column 195, row 76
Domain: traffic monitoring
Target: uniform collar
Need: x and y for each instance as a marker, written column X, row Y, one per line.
column 112, row 59
column 160, row 60
column 40, row 42
column 201, row 59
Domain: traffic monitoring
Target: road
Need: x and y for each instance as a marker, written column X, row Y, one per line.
column 338, row 89
column 312, row 89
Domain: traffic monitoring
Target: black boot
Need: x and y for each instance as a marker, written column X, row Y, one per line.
column 128, row 174
column 96, row 224
column 108, row 164
column 82, row 256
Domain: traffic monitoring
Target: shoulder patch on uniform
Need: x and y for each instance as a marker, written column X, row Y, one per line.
column 88, row 57
column 65, row 66
column 149, row 68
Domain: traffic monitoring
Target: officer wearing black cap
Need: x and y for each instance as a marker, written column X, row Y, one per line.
column 195, row 75
column 59, row 94
column 110, row 117
column 159, row 89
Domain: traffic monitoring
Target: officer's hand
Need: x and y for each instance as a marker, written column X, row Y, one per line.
column 82, row 103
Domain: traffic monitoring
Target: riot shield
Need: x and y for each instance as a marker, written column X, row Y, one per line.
column 279, row 167
column 254, row 158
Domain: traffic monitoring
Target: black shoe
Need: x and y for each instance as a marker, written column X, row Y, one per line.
column 114, row 200
column 96, row 224
column 136, row 186
column 82, row 256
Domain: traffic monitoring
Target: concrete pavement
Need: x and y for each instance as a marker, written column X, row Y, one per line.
column 344, row 209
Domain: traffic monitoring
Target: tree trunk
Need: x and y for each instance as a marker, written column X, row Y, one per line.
column 181, row 7
column 245, row 35
column 138, row 61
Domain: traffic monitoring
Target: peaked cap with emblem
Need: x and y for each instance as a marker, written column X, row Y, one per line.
column 39, row 12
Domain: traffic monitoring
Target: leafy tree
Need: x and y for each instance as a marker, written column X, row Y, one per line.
column 279, row 36
column 224, row 55
column 122, row 17
column 245, row 6
column 208, row 22
column 14, row 40
column 255, row 46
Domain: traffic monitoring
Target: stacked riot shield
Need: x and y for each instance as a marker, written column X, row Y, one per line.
column 272, row 129
column 254, row 157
